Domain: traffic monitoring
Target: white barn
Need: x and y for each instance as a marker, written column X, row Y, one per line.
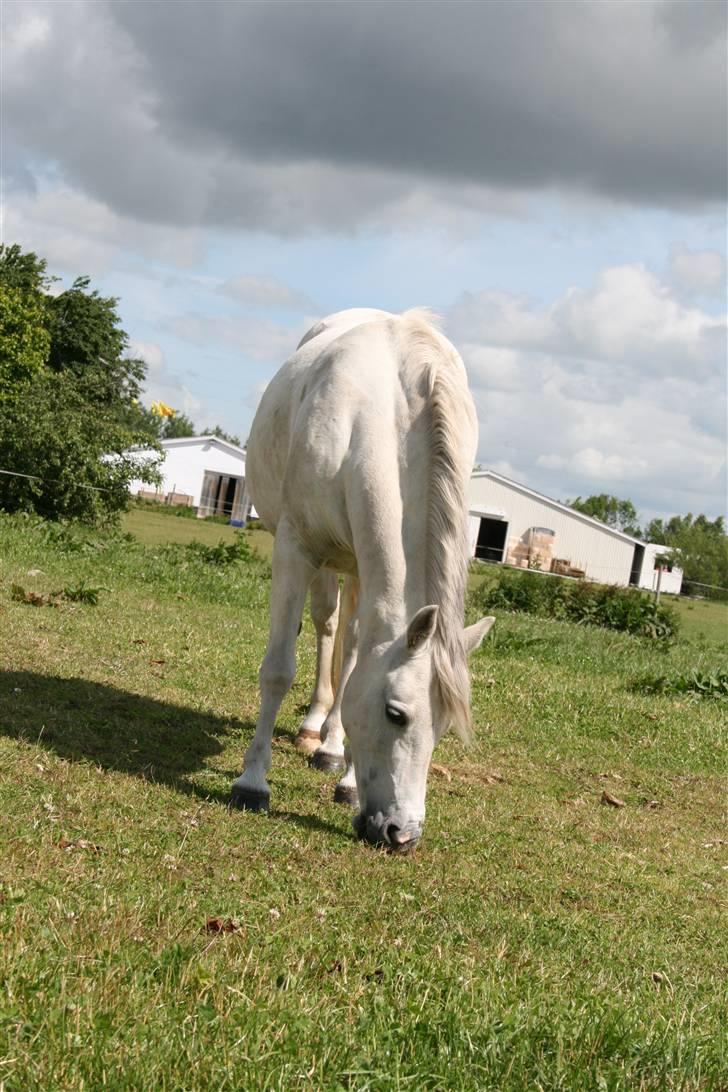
column 514, row 525
column 202, row 471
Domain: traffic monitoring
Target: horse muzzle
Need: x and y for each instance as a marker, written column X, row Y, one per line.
column 382, row 830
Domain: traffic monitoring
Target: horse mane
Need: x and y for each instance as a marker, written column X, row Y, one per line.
column 447, row 402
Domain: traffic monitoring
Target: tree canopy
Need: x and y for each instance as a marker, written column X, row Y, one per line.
column 69, row 396
column 699, row 545
column 616, row 513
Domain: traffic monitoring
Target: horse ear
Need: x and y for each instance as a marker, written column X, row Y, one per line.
column 422, row 626
column 473, row 635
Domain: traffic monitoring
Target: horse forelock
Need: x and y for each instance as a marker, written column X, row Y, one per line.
column 448, row 401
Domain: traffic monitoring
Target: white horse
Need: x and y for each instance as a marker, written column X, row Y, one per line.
column 359, row 460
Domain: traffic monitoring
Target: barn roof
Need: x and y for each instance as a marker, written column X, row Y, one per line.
column 557, row 504
column 192, row 441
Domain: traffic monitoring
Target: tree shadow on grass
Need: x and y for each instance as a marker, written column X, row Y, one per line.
column 123, row 732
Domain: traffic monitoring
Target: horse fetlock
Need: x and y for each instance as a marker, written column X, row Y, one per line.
column 307, row 741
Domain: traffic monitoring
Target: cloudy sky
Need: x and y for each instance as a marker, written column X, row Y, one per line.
column 549, row 176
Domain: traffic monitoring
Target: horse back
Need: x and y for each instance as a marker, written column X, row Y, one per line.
column 332, row 431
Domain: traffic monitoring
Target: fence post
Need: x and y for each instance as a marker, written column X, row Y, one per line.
column 659, row 582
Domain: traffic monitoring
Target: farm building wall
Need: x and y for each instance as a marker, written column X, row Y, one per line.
column 672, row 576
column 186, row 463
column 599, row 553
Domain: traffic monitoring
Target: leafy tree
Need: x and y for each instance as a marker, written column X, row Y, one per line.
column 25, row 272
column 223, row 435
column 699, row 545
column 177, row 427
column 75, row 452
column 24, row 336
column 616, row 513
column 69, row 397
column 87, row 340
column 167, row 428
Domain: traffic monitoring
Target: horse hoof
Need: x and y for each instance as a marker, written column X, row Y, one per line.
column 249, row 799
column 327, row 763
column 307, row 741
column 346, row 794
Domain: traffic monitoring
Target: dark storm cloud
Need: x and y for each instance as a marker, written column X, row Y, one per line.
column 309, row 114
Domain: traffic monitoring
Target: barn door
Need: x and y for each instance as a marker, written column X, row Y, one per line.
column 210, row 484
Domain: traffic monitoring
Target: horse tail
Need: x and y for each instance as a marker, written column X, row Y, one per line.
column 348, row 604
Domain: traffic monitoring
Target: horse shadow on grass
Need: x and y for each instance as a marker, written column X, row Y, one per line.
column 116, row 730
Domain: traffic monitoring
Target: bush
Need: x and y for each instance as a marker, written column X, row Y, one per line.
column 222, row 554
column 702, row 684
column 584, row 603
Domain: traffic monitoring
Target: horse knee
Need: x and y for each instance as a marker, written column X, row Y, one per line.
column 276, row 677
column 325, row 604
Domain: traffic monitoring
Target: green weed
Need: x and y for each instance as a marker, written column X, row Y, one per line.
column 703, row 684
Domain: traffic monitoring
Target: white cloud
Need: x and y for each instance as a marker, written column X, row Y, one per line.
column 698, row 272
column 620, row 388
column 149, row 352
column 266, row 292
column 78, row 234
column 628, row 318
column 259, row 339
column 163, row 385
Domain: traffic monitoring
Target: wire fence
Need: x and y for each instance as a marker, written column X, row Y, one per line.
column 54, row 481
column 225, row 508
column 695, row 590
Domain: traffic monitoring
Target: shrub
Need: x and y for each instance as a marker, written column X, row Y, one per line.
column 222, row 553
column 582, row 602
column 703, row 684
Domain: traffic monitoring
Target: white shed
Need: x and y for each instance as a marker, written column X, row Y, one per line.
column 203, row 471
column 514, row 525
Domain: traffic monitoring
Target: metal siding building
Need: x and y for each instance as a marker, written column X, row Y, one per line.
column 513, row 524
column 203, row 471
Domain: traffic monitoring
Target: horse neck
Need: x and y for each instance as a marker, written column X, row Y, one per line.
column 392, row 563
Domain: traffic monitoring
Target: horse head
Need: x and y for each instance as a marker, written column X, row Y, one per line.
column 395, row 714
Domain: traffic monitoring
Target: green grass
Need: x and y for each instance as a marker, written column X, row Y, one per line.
column 701, row 619
column 153, row 528
column 537, row 939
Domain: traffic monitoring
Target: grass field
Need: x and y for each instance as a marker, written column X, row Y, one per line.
column 538, row 938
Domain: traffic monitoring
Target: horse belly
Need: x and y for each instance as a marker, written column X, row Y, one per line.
column 314, row 496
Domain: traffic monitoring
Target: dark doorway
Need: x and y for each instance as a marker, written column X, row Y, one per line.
column 491, row 539
column 639, row 556
column 227, row 506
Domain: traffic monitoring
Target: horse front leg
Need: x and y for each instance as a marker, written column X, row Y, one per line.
column 325, row 616
column 292, row 574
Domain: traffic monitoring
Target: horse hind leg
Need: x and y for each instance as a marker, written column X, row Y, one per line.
column 325, row 616
column 330, row 756
column 292, row 574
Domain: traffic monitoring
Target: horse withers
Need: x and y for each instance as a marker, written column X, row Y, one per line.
column 358, row 461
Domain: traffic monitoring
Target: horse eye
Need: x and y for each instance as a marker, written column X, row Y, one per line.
column 395, row 715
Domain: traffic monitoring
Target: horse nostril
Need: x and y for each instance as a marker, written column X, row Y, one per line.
column 395, row 835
